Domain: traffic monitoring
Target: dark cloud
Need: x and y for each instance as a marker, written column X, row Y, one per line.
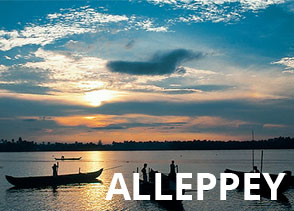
column 30, row 120
column 159, row 64
column 11, row 107
column 25, row 74
column 109, row 127
column 266, row 111
column 130, row 44
column 256, row 113
column 137, row 124
column 26, row 88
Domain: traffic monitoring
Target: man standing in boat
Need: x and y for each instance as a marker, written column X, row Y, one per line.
column 55, row 169
column 144, row 172
column 172, row 173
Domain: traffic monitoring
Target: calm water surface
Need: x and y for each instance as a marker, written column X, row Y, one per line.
column 92, row 196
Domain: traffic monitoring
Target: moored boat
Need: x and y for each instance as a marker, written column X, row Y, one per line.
column 264, row 189
column 43, row 181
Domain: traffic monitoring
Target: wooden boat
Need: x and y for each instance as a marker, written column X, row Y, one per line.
column 44, row 181
column 264, row 189
column 63, row 158
column 168, row 187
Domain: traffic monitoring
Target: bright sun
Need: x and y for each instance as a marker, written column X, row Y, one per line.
column 95, row 98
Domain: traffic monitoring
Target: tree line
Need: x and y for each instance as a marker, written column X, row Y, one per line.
column 26, row 146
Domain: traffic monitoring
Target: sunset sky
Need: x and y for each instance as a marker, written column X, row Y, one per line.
column 146, row 70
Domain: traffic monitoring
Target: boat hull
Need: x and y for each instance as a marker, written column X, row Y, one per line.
column 53, row 181
column 62, row 159
column 264, row 189
column 168, row 187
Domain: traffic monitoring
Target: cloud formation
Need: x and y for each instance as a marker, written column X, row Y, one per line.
column 72, row 21
column 159, row 64
column 57, row 26
column 215, row 11
column 25, row 88
column 288, row 62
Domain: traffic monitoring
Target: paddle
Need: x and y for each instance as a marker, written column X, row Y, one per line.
column 113, row 167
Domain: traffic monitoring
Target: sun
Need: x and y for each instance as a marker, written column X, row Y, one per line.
column 95, row 98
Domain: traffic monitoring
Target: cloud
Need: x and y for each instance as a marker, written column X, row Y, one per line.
column 110, row 127
column 159, row 64
column 25, row 88
column 288, row 62
column 17, row 74
column 11, row 107
column 230, row 117
column 148, row 26
column 73, row 21
column 215, row 11
column 64, row 66
column 3, row 67
column 57, row 26
column 130, row 44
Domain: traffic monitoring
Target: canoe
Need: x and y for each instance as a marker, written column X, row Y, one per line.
column 44, row 181
column 264, row 189
column 68, row 158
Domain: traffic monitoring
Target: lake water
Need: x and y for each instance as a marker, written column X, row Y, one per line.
column 92, row 196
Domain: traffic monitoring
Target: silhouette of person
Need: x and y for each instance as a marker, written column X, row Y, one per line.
column 55, row 170
column 62, row 157
column 255, row 170
column 144, row 172
column 172, row 173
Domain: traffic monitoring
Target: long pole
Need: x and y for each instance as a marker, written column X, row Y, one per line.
column 252, row 158
column 252, row 150
column 261, row 161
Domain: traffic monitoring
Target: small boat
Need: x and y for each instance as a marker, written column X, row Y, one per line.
column 44, row 181
column 168, row 187
column 63, row 158
column 264, row 189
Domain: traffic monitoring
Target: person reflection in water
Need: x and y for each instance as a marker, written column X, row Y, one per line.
column 55, row 170
column 144, row 172
column 255, row 170
column 172, row 173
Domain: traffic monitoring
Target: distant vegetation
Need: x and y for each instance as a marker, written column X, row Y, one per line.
column 26, row 146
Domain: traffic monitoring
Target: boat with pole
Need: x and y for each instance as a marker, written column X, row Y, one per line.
column 44, row 181
column 62, row 158
column 264, row 189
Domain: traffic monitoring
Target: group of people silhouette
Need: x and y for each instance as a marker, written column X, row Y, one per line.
column 172, row 173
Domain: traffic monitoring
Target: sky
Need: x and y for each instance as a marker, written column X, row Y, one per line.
column 146, row 70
